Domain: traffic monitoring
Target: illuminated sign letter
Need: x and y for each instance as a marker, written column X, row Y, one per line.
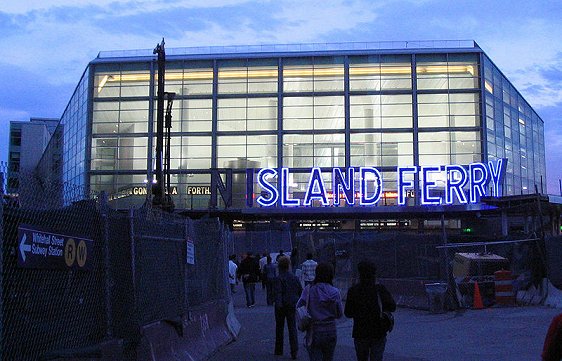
column 402, row 184
column 268, row 187
column 285, row 200
column 477, row 183
column 376, row 177
column 496, row 174
column 427, row 184
column 315, row 188
column 455, row 183
column 347, row 188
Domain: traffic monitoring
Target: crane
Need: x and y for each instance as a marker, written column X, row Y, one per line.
column 161, row 190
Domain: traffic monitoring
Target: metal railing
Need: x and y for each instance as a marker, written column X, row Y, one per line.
column 290, row 48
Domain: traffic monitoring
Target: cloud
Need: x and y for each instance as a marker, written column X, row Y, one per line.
column 126, row 6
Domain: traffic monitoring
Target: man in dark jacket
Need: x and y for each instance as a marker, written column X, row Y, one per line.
column 362, row 304
column 249, row 271
column 287, row 290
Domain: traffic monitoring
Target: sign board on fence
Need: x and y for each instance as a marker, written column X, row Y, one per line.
column 190, row 259
column 46, row 250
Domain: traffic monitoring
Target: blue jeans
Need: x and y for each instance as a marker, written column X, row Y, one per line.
column 369, row 349
column 323, row 345
column 250, row 289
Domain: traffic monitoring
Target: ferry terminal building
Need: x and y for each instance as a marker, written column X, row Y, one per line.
column 259, row 133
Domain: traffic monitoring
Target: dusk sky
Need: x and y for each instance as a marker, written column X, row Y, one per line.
column 47, row 44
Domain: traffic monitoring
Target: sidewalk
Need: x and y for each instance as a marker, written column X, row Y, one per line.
column 491, row 334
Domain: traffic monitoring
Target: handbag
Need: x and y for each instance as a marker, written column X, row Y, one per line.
column 304, row 320
column 386, row 317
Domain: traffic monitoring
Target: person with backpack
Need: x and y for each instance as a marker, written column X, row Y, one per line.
column 370, row 324
column 269, row 273
column 249, row 271
column 287, row 290
column 324, row 305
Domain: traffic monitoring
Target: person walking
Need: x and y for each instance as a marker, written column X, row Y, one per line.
column 232, row 272
column 309, row 270
column 552, row 349
column 362, row 304
column 294, row 259
column 324, row 306
column 249, row 273
column 269, row 273
column 262, row 262
column 287, row 289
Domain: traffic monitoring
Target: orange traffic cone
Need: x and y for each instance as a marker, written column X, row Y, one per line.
column 477, row 305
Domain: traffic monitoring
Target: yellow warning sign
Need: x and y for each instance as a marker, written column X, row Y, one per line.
column 70, row 252
column 82, row 253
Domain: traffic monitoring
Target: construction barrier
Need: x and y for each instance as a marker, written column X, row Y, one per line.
column 554, row 297
column 194, row 337
column 503, row 285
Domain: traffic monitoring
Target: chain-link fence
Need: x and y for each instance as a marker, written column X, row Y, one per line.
column 409, row 260
column 77, row 274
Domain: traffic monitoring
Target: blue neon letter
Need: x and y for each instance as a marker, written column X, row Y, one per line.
column 368, row 201
column 285, row 200
column 496, row 174
column 268, row 187
column 315, row 188
column 455, row 186
column 339, row 183
column 402, row 184
column 478, row 183
column 425, row 197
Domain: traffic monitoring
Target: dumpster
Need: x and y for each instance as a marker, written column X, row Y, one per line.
column 436, row 293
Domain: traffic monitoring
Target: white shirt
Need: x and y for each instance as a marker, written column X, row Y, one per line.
column 232, row 268
column 263, row 262
column 309, row 270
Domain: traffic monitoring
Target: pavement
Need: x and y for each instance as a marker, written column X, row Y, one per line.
column 509, row 333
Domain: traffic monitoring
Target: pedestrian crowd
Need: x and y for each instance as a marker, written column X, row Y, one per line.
column 304, row 297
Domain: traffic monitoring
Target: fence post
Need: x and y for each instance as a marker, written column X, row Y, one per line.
column 1, row 275
column 187, row 222
column 133, row 256
column 107, row 264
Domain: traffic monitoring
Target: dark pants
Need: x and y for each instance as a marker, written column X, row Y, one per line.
column 369, row 349
column 250, row 289
column 282, row 313
column 270, row 298
column 323, row 345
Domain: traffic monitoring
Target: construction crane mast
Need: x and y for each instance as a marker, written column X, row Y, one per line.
column 161, row 191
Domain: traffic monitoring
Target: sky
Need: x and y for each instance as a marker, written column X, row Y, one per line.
column 47, row 44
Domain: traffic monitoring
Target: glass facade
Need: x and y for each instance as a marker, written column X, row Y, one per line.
column 513, row 131
column 320, row 110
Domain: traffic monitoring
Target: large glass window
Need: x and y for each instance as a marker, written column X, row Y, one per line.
column 308, row 113
column 248, row 76
column 242, row 114
column 196, row 115
column 382, row 149
column 120, row 117
column 321, row 74
column 447, row 71
column 122, row 80
column 313, row 150
column 381, row 111
column 236, row 151
column 380, row 72
column 438, row 148
column 448, row 110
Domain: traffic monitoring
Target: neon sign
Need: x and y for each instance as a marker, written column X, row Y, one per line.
column 438, row 185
